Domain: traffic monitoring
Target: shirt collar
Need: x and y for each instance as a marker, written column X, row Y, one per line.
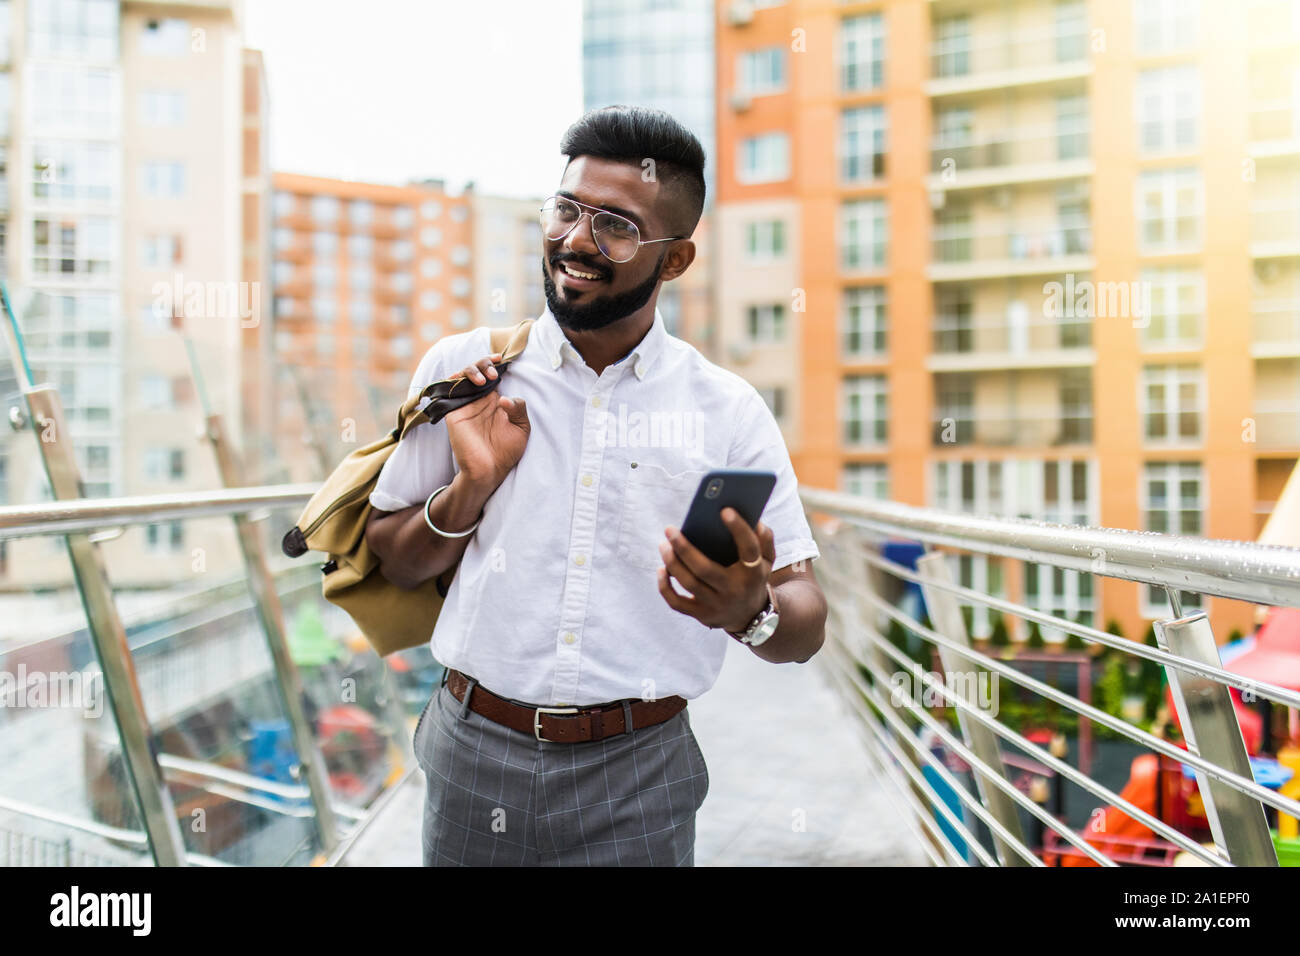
column 555, row 344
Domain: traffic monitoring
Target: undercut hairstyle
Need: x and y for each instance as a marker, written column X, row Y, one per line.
column 634, row 134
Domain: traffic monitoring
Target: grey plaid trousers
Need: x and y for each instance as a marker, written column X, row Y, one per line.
column 498, row 797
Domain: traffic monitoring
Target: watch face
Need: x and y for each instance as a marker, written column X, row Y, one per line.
column 766, row 628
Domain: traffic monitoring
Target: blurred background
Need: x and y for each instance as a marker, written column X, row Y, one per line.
column 1026, row 258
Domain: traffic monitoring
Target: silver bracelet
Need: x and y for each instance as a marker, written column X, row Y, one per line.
column 435, row 528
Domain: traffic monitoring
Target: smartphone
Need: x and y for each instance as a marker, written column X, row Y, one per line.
column 746, row 490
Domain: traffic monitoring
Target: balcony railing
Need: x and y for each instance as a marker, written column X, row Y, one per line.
column 962, row 242
column 1008, row 426
column 1277, row 424
column 1011, row 147
column 1275, row 220
column 1011, row 50
column 956, row 335
column 985, row 779
column 1277, row 322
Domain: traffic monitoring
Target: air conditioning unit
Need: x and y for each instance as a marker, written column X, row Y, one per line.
column 1266, row 270
column 740, row 13
column 740, row 101
column 937, row 198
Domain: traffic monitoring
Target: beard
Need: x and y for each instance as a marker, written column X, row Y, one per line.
column 584, row 317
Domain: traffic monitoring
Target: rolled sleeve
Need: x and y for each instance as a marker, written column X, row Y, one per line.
column 422, row 462
column 758, row 443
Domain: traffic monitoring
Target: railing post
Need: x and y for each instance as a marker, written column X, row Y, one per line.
column 267, row 600
column 945, row 617
column 109, row 637
column 1210, row 728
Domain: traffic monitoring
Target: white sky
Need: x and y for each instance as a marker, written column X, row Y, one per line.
column 391, row 90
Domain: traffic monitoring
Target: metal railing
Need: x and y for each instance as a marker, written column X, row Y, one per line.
column 972, row 786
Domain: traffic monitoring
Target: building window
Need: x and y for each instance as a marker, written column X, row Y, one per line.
column 1174, row 300
column 862, row 144
column 1071, row 24
column 431, row 209
column 324, row 209
column 862, row 53
column 160, row 252
column 1173, row 500
column 63, row 169
column 954, row 410
column 951, row 53
column 764, row 240
column 864, row 322
column 162, row 180
column 401, row 282
column 1169, row 210
column 864, row 234
column 765, row 324
column 400, row 346
column 460, row 256
column 361, row 311
column 1168, row 109
column 324, row 309
column 764, row 158
column 324, row 275
column 460, row 287
column 430, row 236
column 430, row 299
column 401, row 250
column 164, row 537
column 1164, row 26
column 361, row 247
column 759, row 72
column 865, row 410
column 73, row 247
column 283, row 306
column 361, row 212
column 284, row 204
column 953, row 320
column 155, row 392
column 867, row 479
column 1075, row 395
column 164, row 464
column 168, row 37
column 774, row 398
column 403, row 217
column 162, row 107
column 74, row 28
column 1071, row 127
column 430, row 268
column 1171, row 404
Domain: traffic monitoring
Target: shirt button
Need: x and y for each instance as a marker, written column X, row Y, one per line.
column 569, row 637
column 586, row 480
column 595, row 402
column 580, row 560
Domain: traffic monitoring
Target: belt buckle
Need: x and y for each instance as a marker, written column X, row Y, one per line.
column 537, row 720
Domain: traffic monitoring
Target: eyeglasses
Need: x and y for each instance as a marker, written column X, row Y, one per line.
column 616, row 237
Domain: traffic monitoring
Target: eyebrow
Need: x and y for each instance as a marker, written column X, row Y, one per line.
column 627, row 213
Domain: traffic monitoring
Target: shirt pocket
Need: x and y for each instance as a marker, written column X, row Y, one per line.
column 653, row 499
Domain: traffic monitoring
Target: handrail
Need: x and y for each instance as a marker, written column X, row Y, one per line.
column 91, row 514
column 1264, row 574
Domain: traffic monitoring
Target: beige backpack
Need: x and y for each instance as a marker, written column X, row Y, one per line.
column 334, row 521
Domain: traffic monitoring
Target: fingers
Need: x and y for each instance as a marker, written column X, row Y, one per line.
column 747, row 544
column 675, row 601
column 684, row 575
column 516, row 410
column 482, row 370
column 699, row 564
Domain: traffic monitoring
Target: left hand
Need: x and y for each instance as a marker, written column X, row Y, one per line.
column 727, row 597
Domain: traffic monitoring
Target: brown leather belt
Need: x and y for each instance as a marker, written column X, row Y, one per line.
column 565, row 725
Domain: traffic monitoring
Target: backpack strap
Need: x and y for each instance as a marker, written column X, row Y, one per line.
column 449, row 394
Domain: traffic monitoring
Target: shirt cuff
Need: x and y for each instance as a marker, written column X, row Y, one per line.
column 386, row 502
column 805, row 550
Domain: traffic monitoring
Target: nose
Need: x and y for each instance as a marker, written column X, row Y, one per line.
column 581, row 239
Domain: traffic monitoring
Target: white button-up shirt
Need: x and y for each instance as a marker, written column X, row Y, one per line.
column 555, row 601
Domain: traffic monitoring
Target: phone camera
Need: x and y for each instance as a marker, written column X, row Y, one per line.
column 714, row 488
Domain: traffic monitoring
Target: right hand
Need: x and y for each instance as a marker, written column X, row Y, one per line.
column 489, row 434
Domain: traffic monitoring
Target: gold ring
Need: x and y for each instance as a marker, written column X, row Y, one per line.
column 753, row 564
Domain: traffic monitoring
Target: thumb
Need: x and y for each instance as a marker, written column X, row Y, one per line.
column 516, row 411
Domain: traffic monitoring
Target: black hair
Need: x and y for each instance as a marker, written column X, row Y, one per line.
column 637, row 133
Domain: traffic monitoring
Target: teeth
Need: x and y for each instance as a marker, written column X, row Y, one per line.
column 574, row 272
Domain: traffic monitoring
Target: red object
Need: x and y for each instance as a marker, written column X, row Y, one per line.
column 1275, row 658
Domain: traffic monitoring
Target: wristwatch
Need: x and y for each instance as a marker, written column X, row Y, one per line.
column 763, row 625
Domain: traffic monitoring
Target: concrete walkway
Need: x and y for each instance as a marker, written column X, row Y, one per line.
column 788, row 781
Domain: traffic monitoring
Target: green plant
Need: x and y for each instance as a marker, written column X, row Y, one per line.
column 1234, row 635
column 1035, row 640
column 1000, row 636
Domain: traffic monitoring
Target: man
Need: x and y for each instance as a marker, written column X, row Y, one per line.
column 579, row 620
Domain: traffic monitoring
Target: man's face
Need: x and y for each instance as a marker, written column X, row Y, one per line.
column 620, row 288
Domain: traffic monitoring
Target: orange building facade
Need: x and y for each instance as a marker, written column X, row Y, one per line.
column 1027, row 258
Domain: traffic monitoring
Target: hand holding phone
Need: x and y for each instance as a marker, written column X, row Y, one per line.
column 745, row 490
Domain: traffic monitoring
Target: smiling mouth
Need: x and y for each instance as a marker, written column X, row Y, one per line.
column 576, row 273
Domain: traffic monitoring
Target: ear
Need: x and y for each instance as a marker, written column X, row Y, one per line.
column 679, row 258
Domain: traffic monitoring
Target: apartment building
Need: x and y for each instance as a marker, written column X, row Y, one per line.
column 660, row 54
column 124, row 230
column 1028, row 258
column 507, row 259
column 366, row 277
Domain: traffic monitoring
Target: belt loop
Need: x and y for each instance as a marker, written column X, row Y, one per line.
column 627, row 716
column 469, row 691
column 446, row 672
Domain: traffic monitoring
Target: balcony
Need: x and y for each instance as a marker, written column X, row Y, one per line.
column 963, row 343
column 1275, row 228
column 1276, row 332
column 1011, row 426
column 1277, row 425
column 963, row 251
column 1014, row 155
column 998, row 60
column 1274, row 128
